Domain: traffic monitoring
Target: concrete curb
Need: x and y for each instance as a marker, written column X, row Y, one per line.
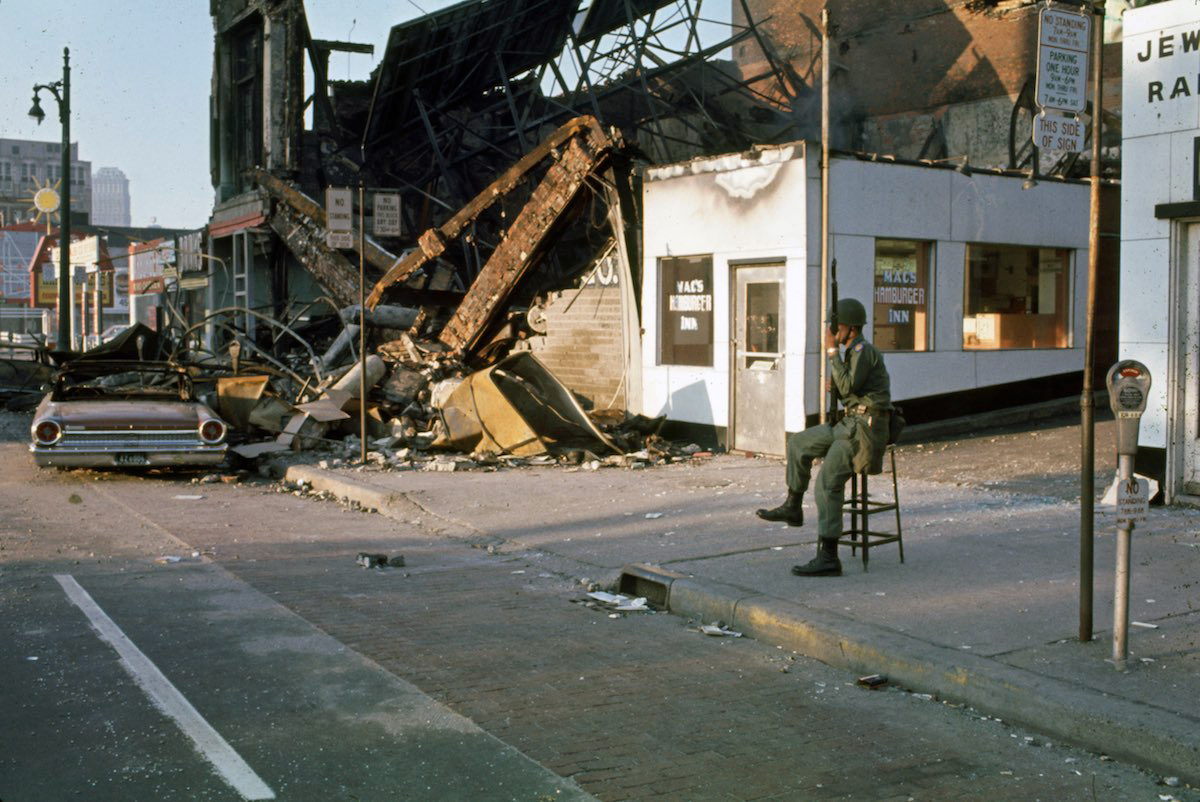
column 1146, row 736
column 1009, row 416
column 365, row 495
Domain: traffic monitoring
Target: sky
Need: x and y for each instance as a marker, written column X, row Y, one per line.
column 141, row 74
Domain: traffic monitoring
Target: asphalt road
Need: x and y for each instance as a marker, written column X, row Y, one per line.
column 468, row 673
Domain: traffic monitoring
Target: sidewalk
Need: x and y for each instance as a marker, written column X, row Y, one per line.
column 984, row 611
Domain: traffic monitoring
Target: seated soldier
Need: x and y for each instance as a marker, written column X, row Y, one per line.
column 853, row 444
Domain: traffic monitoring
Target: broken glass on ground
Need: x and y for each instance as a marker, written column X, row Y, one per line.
column 716, row 629
column 602, row 600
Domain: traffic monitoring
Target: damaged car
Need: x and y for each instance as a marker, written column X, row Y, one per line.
column 125, row 415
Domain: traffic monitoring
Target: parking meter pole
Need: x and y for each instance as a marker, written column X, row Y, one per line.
column 1128, row 384
column 1121, row 582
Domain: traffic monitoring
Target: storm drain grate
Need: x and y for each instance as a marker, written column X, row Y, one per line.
column 649, row 581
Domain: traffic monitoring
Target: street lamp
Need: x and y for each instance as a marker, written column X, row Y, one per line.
column 62, row 93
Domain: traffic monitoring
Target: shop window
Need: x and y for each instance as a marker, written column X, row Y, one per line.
column 901, row 315
column 685, row 311
column 1016, row 297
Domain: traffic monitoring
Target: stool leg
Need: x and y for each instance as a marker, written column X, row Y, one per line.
column 896, row 499
column 854, row 514
column 866, row 534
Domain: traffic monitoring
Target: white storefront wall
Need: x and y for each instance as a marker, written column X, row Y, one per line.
column 702, row 208
column 1160, row 140
column 735, row 209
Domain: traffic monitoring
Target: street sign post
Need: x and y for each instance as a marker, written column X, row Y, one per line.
column 1063, row 38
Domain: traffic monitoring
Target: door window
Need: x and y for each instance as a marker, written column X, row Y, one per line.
column 762, row 318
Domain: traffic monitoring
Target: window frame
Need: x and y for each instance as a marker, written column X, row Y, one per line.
column 927, row 248
column 690, row 303
column 986, row 326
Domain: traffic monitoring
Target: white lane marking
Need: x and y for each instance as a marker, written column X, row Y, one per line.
column 168, row 699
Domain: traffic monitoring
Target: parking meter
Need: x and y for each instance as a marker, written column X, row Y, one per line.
column 1128, row 387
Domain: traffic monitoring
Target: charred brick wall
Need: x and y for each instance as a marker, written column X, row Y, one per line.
column 894, row 56
column 910, row 78
column 584, row 344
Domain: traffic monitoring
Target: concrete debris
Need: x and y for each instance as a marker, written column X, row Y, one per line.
column 367, row 560
column 426, row 408
column 718, row 629
column 618, row 603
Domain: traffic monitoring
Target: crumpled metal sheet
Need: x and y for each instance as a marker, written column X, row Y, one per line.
column 517, row 406
column 237, row 396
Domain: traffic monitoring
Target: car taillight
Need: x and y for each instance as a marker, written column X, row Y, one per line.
column 212, row 431
column 47, row 432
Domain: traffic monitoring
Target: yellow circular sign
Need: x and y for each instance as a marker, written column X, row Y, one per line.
column 46, row 200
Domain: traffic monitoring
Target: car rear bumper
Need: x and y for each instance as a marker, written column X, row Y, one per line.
column 60, row 457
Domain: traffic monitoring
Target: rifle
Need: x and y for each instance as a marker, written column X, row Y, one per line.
column 833, row 326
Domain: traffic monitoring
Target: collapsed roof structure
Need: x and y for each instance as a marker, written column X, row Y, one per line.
column 461, row 98
column 510, row 132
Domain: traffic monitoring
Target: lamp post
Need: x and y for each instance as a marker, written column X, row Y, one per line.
column 62, row 93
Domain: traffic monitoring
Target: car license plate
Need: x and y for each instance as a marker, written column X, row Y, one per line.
column 132, row 459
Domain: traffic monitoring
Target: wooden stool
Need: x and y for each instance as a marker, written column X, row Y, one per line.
column 860, row 507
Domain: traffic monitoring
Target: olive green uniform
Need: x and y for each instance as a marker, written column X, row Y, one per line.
column 855, row 443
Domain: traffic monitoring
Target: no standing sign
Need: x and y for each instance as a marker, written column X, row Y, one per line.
column 1063, row 38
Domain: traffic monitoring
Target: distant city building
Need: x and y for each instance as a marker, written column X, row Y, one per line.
column 110, row 197
column 26, row 165
column 17, row 244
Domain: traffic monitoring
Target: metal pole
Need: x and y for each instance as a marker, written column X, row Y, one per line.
column 362, row 328
column 822, row 361
column 1087, row 466
column 64, row 225
column 1121, row 581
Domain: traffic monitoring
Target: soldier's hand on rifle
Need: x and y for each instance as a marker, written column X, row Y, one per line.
column 835, row 338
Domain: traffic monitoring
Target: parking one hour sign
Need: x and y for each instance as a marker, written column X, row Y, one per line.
column 1063, row 38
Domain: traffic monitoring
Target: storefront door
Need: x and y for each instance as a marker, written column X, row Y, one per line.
column 1189, row 339
column 758, row 389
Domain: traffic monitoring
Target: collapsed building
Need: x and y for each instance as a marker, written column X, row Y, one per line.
column 511, row 134
column 515, row 137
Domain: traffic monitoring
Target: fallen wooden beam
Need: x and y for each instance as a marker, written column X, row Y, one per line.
column 578, row 158
column 434, row 241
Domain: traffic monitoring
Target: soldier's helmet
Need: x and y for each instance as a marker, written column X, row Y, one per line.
column 851, row 312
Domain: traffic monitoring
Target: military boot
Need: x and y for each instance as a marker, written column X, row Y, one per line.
column 790, row 510
column 826, row 563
